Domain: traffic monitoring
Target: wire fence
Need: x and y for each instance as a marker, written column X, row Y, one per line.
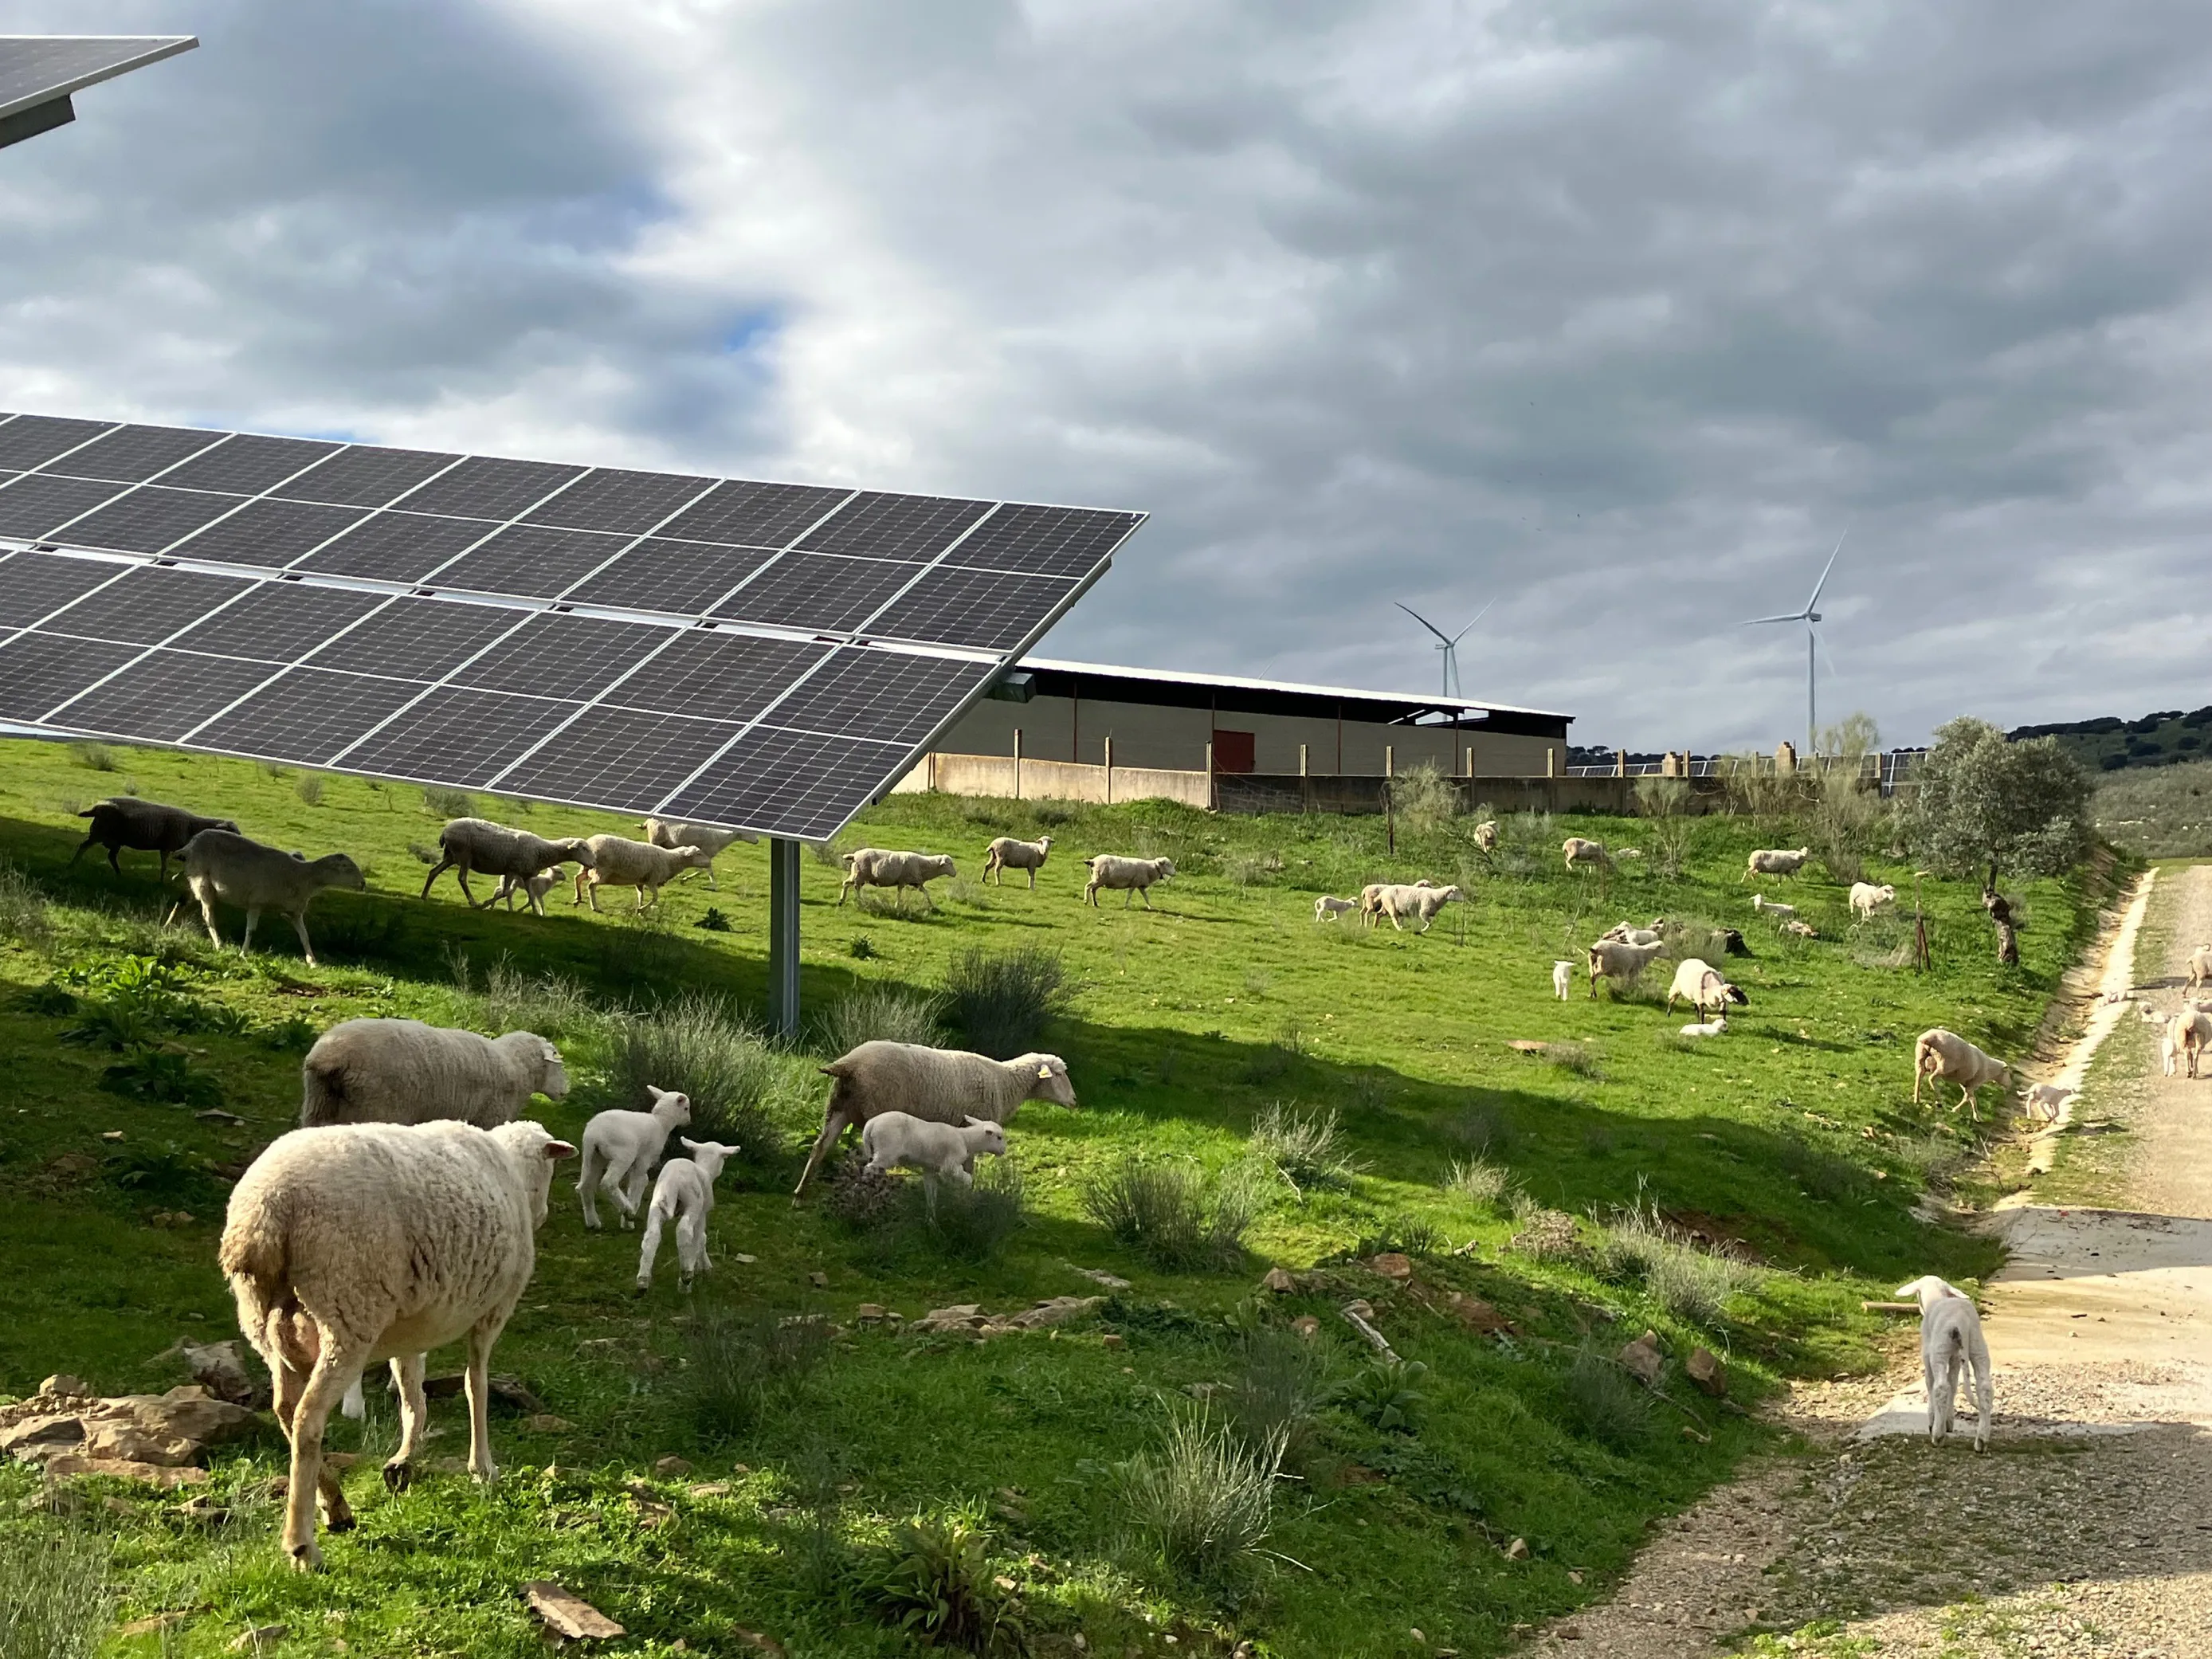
column 1884, row 771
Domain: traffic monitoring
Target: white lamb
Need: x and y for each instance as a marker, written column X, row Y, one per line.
column 1329, row 909
column 1007, row 853
column 2200, row 966
column 1945, row 1056
column 1629, row 933
column 617, row 861
column 1775, row 861
column 1563, row 978
column 1713, row 1027
column 942, row 1151
column 1133, row 877
column 1759, row 901
column 620, row 1149
column 533, row 889
column 2190, row 1034
column 1485, row 835
column 1622, row 964
column 2166, row 1053
column 1866, row 898
column 684, row 1194
column 364, row 1241
column 1951, row 1341
column 1798, row 929
column 710, row 839
column 402, row 1071
column 223, row 865
column 945, row 1085
column 872, row 867
column 479, row 847
column 1422, row 903
column 1580, row 852
column 1704, row 986
column 2045, row 1101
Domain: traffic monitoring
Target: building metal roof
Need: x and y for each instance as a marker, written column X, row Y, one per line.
column 1237, row 694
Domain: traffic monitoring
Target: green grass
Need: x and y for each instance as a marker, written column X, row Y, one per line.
column 1793, row 1140
column 2162, row 811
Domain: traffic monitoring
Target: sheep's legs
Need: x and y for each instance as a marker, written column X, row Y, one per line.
column 479, row 1383
column 407, row 1374
column 299, row 927
column 333, row 1373
column 1984, row 1402
column 832, row 1126
column 650, row 1247
column 588, row 1174
column 627, row 1188
column 461, row 872
column 245, row 944
column 436, row 869
column 691, row 1247
column 207, row 915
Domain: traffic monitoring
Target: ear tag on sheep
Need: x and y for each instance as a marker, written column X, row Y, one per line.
column 1043, row 1072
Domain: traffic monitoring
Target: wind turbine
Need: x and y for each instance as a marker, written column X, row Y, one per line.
column 1448, row 643
column 1808, row 616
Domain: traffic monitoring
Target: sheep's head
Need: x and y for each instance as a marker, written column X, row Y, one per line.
column 337, row 870
column 1164, row 867
column 579, row 850
column 1926, row 1289
column 535, row 1152
column 552, row 1075
column 670, row 1106
column 1045, row 842
column 1734, row 993
column 1047, row 1079
column 989, row 1137
column 697, row 858
column 1446, row 895
column 230, row 824
column 710, row 1155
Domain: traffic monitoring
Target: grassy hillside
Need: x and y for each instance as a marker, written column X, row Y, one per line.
column 2160, row 813
column 2109, row 743
column 1778, row 1166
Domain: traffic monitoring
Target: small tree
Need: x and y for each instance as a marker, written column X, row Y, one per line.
column 1998, row 807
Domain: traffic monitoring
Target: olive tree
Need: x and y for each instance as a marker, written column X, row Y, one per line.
column 1984, row 805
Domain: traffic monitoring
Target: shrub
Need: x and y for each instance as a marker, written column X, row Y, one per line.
column 1369, row 1092
column 163, row 1077
column 1202, row 1502
column 292, row 1035
column 1606, row 1403
column 448, row 803
column 1640, row 1246
column 1253, row 869
column 713, row 920
column 968, row 1224
column 1423, row 798
column 1574, row 1055
column 1303, row 1146
column 55, row 1602
column 1385, row 1395
column 1274, row 1399
column 1405, row 1235
column 696, row 1045
column 932, row 1579
column 92, row 757
column 1172, row 1214
column 548, row 1004
column 744, row 1360
column 25, row 915
column 1477, row 1179
column 858, row 1197
column 309, row 788
column 1484, row 1129
column 1274, row 1059
column 1545, row 1234
column 884, row 1012
column 1002, row 998
column 862, row 949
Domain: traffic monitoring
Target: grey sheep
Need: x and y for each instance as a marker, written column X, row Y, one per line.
column 479, row 847
column 402, row 1071
column 222, row 864
column 708, row 838
column 942, row 1085
column 142, row 826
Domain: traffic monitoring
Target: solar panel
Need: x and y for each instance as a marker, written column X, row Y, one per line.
column 768, row 656
column 37, row 68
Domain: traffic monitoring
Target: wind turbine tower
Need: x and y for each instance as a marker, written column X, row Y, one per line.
column 1448, row 643
column 1808, row 616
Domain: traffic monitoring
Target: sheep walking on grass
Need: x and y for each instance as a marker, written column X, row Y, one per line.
column 1007, row 853
column 1775, row 861
column 1329, row 909
column 1134, row 878
column 142, row 826
column 222, row 866
column 479, row 847
column 364, row 1241
column 684, row 1194
column 618, row 862
column 533, row 889
column 402, row 1071
column 1622, row 964
column 1485, row 835
column 1866, row 898
column 710, row 839
column 1951, row 1341
column 620, row 1149
column 1420, row 902
column 942, row 1151
column 943, row 1085
column 872, row 866
column 1946, row 1057
column 1563, row 978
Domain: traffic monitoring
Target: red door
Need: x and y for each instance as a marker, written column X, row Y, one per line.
column 1232, row 751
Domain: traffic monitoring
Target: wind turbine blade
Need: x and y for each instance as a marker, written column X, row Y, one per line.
column 1469, row 628
column 1753, row 621
column 1813, row 603
column 1424, row 622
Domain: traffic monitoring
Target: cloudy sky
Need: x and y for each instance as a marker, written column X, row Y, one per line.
column 1618, row 313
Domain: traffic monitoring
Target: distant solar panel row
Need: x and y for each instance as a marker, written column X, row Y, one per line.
column 393, row 612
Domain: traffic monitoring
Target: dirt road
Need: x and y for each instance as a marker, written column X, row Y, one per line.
column 2087, row 1526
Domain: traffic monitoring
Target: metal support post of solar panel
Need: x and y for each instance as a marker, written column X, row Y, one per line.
column 767, row 657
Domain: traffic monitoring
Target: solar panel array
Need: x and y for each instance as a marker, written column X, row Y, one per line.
column 766, row 656
column 37, row 68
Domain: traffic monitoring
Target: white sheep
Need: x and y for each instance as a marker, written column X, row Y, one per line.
column 872, row 867
column 1485, row 836
column 1329, row 909
column 944, row 1085
column 1951, row 1341
column 1007, row 853
column 2045, row 1101
column 533, row 889
column 708, row 838
column 2166, row 1053
column 1945, row 1056
column 1629, row 933
column 1580, row 852
column 479, row 847
column 223, row 865
column 1866, row 898
column 402, row 1071
column 2200, row 966
column 1623, row 963
column 358, row 1243
column 1798, row 929
column 942, row 1151
column 1775, row 861
column 1563, row 978
column 1704, row 986
column 142, row 826
column 1133, row 877
column 1370, row 897
column 684, row 1194
column 1767, row 905
column 1422, row 902
column 620, row 1149
column 2190, row 1033
column 618, row 862
column 1714, row 1027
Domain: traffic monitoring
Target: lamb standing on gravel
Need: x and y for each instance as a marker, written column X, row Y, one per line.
column 402, row 1071
column 2190, row 1033
column 1397, row 902
column 1951, row 1341
column 616, row 862
column 1704, row 986
column 365, row 1242
column 942, row 1151
column 1580, row 852
column 1866, row 898
column 1007, row 853
column 1133, row 877
column 1621, row 963
column 684, row 1194
column 1947, row 1057
column 944, row 1085
column 479, row 847
column 1775, row 861
column 223, row 865
column 708, row 838
column 872, row 867
column 142, row 826
column 620, row 1149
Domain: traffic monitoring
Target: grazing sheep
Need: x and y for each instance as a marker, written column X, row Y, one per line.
column 142, row 826
column 1767, row 905
column 479, row 847
column 684, row 1194
column 223, row 865
column 401, row 1070
column 1329, row 909
column 1951, row 1341
column 2200, row 966
column 710, row 839
column 1370, row 897
column 942, row 1151
column 1485, row 836
column 620, row 1149
column 616, row 862
column 1563, row 978
column 1622, row 964
column 944, row 1085
column 1579, row 853
column 1732, row 942
column 1713, row 1027
column 2047, row 1101
column 1774, row 861
column 1134, row 876
column 1007, row 853
column 533, row 889
column 2190, row 1034
column 363, row 1241
column 872, row 867
column 1423, row 901
column 1623, row 852
column 1627, row 932
column 1798, row 929
column 1866, row 898
column 1945, row 1056
column 1704, row 986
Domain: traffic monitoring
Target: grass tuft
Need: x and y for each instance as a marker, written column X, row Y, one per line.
column 879, row 1013
column 1173, row 1213
column 25, row 914
column 1640, row 1246
column 548, row 1004
column 55, row 1602
column 449, row 804
column 966, row 1223
column 1305, row 1147
column 1003, row 999
column 1477, row 1179
column 744, row 1361
column 92, row 757
column 695, row 1044
column 1606, row 1404
column 1201, row 1501
column 1274, row 1399
column 932, row 1579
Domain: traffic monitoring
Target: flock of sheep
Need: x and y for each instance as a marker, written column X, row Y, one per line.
column 1113, row 872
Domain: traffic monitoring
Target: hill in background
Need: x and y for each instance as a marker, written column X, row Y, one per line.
column 2109, row 743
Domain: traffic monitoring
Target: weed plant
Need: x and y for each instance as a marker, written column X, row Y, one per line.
column 26, row 917
column 449, row 804
column 1385, row 1395
column 1003, row 999
column 1201, row 1502
column 1306, row 1148
column 55, row 1602
column 1275, row 1398
column 1477, row 1179
column 965, row 1223
column 746, row 1361
column 887, row 1013
column 92, row 757
column 1173, row 1214
column 1639, row 1246
column 1423, row 798
column 550, row 1003
column 1606, row 1404
column 1400, row 1234
column 309, row 789
column 933, row 1580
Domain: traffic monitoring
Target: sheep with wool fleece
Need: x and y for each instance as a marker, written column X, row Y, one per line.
column 711, row 839
column 942, row 1151
column 1485, row 835
column 2047, row 1101
column 1011, row 853
column 1767, row 905
column 1946, row 1057
column 2190, row 1033
column 1866, row 898
column 479, row 847
column 1420, row 902
column 944, row 1085
column 1798, row 929
column 402, row 1071
column 1579, row 852
column 684, row 1194
column 1627, row 932
column 2200, row 966
column 1951, row 1341
column 1704, row 986
column 356, row 1242
column 620, row 1149
column 221, row 865
column 873, row 867
column 617, row 861
column 1775, row 861
column 1134, row 878
column 1623, row 963
column 142, row 826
